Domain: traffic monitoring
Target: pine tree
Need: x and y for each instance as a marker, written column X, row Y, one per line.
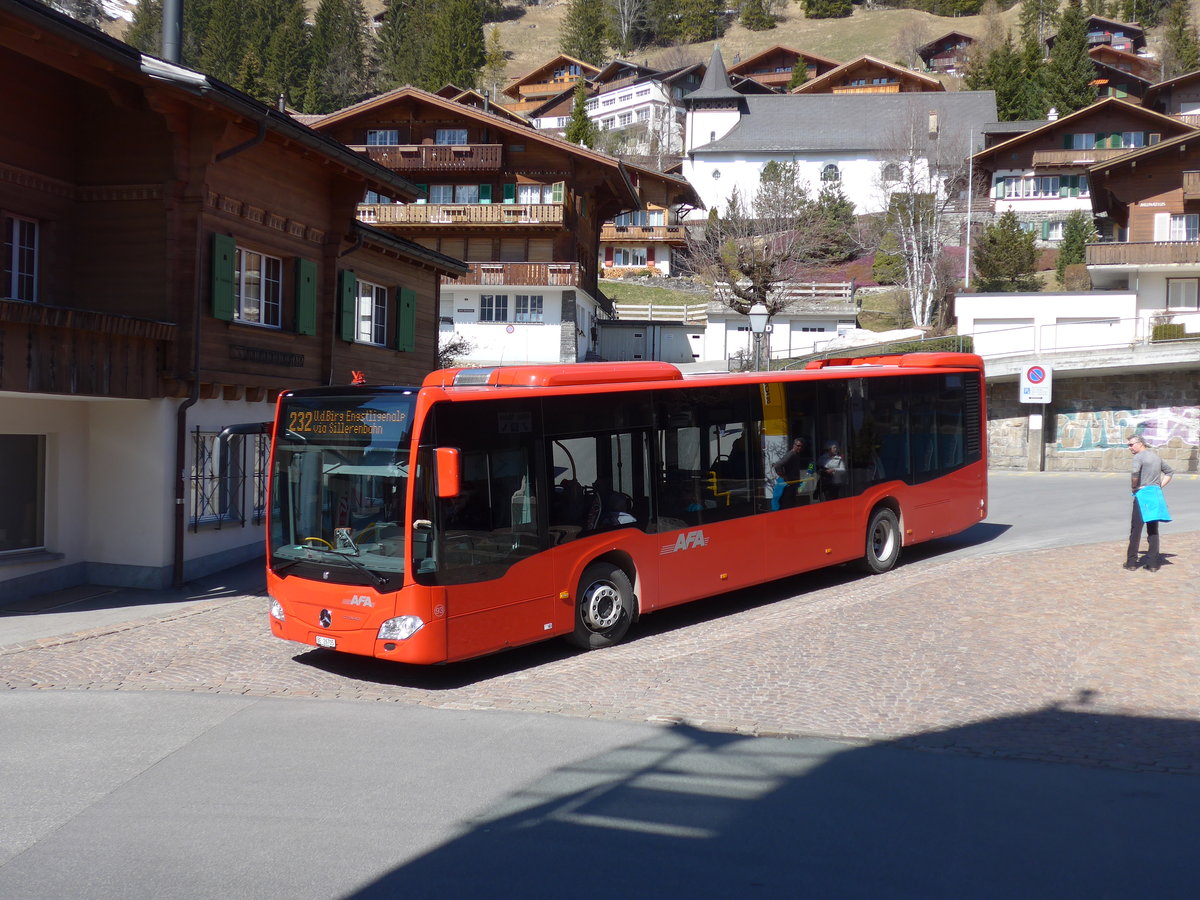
column 1070, row 72
column 585, row 31
column 580, row 128
column 1005, row 257
column 1079, row 230
column 1032, row 102
column 337, row 75
column 456, row 51
column 799, row 75
column 224, row 50
column 1002, row 71
column 401, row 48
column 495, row 61
column 287, row 63
column 828, row 9
column 1181, row 50
column 1038, row 19
column 700, row 20
column 756, row 15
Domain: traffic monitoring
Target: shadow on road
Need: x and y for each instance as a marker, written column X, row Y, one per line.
column 689, row 813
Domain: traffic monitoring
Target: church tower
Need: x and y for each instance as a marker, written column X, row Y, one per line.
column 713, row 108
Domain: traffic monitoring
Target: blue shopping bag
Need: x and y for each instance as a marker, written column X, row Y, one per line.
column 1153, row 504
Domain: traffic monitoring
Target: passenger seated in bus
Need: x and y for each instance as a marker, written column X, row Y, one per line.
column 790, row 470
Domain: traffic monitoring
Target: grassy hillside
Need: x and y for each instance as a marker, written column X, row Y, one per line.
column 533, row 37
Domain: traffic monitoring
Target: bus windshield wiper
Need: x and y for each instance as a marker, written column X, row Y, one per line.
column 379, row 580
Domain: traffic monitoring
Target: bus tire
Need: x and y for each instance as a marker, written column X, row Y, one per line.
column 883, row 541
column 603, row 607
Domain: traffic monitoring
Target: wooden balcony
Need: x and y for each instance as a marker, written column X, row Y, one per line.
column 1191, row 185
column 540, row 90
column 1047, row 158
column 1144, row 253
column 772, row 79
column 56, row 350
column 635, row 233
column 547, row 274
column 891, row 88
column 435, row 157
column 443, row 215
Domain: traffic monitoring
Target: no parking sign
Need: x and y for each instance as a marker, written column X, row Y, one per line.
column 1035, row 384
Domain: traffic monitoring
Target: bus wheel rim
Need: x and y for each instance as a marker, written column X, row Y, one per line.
column 881, row 540
column 602, row 607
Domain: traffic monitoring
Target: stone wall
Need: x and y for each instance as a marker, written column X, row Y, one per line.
column 1091, row 418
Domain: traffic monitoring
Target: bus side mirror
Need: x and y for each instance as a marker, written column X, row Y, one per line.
column 448, row 480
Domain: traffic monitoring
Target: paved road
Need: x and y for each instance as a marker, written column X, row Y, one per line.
column 1008, row 713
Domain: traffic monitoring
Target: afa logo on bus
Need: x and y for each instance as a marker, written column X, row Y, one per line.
column 687, row 541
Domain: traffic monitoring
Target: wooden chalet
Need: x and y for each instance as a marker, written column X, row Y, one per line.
column 775, row 66
column 550, row 78
column 947, row 54
column 1127, row 36
column 1179, row 97
column 1143, row 67
column 1042, row 174
column 650, row 238
column 1153, row 196
column 523, row 208
column 184, row 253
column 868, row 75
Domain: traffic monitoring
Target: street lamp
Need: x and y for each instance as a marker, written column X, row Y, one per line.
column 758, row 316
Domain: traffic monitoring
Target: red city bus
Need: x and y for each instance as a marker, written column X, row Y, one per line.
column 491, row 508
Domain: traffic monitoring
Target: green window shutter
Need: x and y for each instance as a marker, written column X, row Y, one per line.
column 1045, row 231
column 1064, row 186
column 485, row 193
column 348, row 300
column 1068, row 144
column 223, row 250
column 1115, row 140
column 306, row 296
column 510, row 193
column 557, row 192
column 424, row 188
column 999, row 187
column 406, row 320
column 1074, row 185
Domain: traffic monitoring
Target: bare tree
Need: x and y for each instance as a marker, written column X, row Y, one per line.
column 921, row 181
column 756, row 247
column 628, row 20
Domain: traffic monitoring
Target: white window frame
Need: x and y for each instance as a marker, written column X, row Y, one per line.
column 623, row 119
column 1185, row 227
column 449, row 137
column 441, row 193
column 372, row 314
column 254, row 269
column 383, row 137
column 22, row 238
column 533, row 193
column 1183, row 294
column 493, row 308
column 629, row 257
column 830, row 173
column 530, row 308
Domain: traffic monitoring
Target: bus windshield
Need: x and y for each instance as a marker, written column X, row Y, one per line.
column 339, row 482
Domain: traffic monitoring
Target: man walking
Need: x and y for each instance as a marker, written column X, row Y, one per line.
column 1148, row 471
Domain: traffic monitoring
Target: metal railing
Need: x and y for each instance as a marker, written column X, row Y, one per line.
column 1091, row 334
column 686, row 312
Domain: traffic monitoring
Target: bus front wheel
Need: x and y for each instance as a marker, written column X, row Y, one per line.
column 883, row 541
column 603, row 607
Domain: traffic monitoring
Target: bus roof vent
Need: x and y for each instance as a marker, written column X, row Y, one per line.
column 473, row 376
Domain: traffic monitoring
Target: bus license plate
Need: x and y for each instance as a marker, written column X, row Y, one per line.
column 323, row 641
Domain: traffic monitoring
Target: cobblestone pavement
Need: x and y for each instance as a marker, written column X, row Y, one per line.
column 1054, row 654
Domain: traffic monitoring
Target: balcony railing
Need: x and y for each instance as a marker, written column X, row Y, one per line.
column 435, row 157
column 543, row 89
column 891, row 88
column 452, row 214
column 1077, row 157
column 642, row 233
column 1144, row 253
column 531, row 273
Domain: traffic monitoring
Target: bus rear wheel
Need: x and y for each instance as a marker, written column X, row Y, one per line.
column 883, row 542
column 603, row 607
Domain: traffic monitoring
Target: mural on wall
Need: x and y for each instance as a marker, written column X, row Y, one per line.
column 1106, row 429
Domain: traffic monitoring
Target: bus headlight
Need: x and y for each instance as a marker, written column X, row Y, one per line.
column 400, row 628
column 277, row 610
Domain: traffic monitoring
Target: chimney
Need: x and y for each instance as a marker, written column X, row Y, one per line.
column 1052, row 115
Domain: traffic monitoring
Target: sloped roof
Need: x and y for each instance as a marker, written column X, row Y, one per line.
column 935, row 44
column 805, row 123
column 824, row 82
column 1099, row 108
column 535, row 75
column 715, row 85
column 1155, row 89
column 741, row 68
